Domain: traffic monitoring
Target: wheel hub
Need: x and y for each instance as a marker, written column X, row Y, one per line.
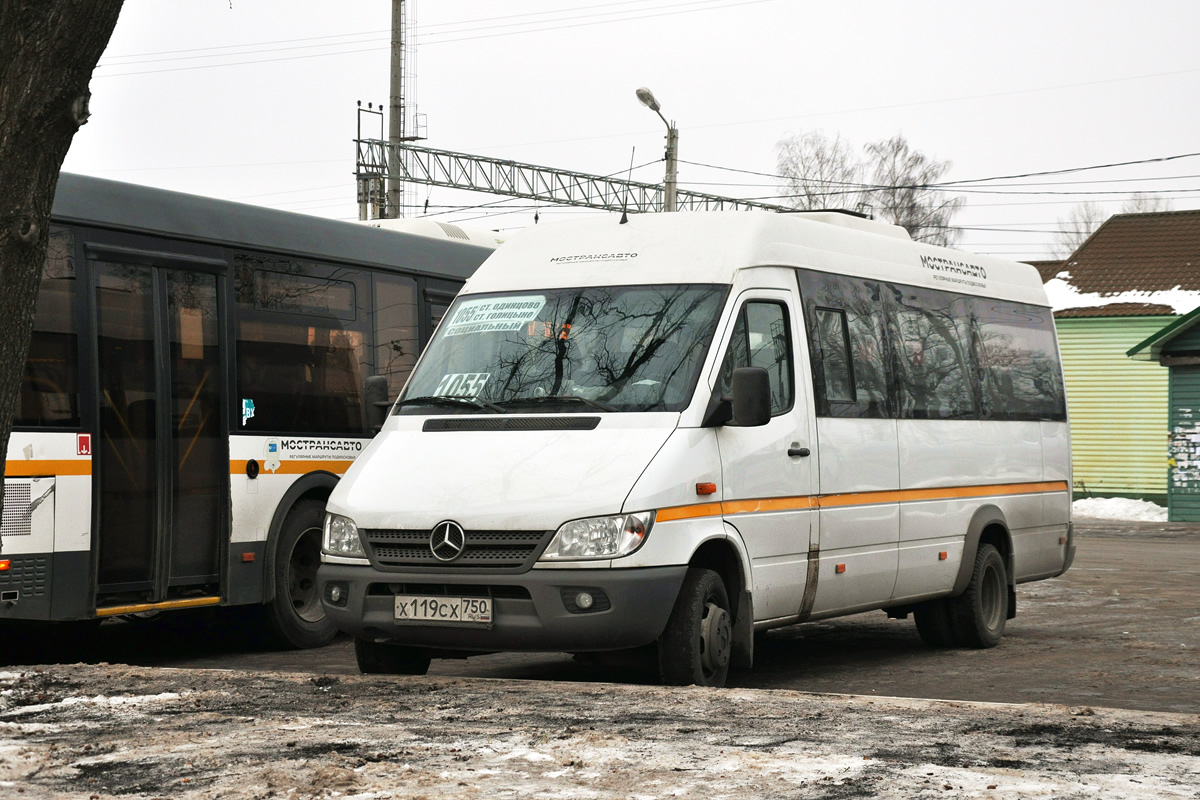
column 302, row 572
column 716, row 638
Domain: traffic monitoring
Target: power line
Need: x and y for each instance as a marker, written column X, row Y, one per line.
column 424, row 26
column 720, row 4
column 945, row 184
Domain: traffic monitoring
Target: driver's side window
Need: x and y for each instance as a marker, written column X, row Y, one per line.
column 761, row 338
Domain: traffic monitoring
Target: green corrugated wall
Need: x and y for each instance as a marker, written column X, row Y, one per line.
column 1117, row 406
column 1184, row 494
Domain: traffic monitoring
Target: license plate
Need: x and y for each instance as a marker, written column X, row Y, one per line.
column 448, row 610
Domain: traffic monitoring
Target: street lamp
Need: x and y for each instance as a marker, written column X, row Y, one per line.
column 647, row 98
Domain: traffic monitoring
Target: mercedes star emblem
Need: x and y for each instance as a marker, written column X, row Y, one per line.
column 447, row 540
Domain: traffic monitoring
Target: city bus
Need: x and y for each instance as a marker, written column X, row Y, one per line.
column 671, row 432
column 201, row 374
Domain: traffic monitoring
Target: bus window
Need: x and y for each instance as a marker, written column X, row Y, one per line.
column 49, row 387
column 860, row 302
column 832, row 341
column 1019, row 374
column 761, row 339
column 397, row 342
column 931, row 356
column 302, row 345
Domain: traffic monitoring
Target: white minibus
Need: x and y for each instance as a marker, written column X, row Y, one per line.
column 681, row 429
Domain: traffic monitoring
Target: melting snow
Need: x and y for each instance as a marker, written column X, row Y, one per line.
column 1119, row 508
column 1063, row 296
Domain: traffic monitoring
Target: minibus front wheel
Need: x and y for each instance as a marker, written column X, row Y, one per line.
column 697, row 642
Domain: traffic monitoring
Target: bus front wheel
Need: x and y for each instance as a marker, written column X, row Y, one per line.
column 295, row 613
column 698, row 640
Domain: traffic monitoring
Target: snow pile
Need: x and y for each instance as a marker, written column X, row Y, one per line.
column 1063, row 296
column 1119, row 508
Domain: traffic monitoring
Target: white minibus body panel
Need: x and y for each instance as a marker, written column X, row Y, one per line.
column 682, row 428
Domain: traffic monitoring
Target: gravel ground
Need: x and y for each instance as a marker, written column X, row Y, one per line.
column 104, row 731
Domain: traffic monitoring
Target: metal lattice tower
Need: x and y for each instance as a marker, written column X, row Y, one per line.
column 414, row 164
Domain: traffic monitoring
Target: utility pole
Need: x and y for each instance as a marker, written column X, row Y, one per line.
column 396, row 116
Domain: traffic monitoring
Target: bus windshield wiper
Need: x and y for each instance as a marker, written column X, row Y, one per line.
column 450, row 400
column 559, row 398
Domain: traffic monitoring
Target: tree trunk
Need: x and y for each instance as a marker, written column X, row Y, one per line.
column 48, row 49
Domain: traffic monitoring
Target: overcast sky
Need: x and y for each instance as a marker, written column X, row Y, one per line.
column 254, row 100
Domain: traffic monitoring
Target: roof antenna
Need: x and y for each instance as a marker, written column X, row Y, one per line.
column 628, row 178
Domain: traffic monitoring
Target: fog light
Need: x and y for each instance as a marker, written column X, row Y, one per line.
column 337, row 593
column 584, row 600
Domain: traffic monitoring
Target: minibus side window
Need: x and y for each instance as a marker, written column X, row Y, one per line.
column 1019, row 375
column 761, row 338
column 932, row 355
column 861, row 302
column 833, row 343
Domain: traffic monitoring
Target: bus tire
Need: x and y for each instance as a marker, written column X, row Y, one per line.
column 295, row 614
column 934, row 625
column 696, row 645
column 979, row 613
column 382, row 658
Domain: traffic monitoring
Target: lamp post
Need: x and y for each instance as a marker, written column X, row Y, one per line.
column 647, row 98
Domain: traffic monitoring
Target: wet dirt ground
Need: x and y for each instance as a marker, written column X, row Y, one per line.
column 1094, row 692
column 103, row 732
column 1121, row 629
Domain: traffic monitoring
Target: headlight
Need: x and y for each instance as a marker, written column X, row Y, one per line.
column 341, row 537
column 599, row 537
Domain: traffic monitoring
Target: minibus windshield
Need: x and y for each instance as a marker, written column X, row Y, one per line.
column 618, row 348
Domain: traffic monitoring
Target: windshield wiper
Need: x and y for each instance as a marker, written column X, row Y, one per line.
column 560, row 398
column 449, row 400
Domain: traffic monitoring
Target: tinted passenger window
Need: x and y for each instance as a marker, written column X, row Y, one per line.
column 397, row 342
column 861, row 303
column 1019, row 374
column 833, row 345
column 939, row 355
column 49, row 385
column 932, row 354
column 761, row 339
column 303, row 332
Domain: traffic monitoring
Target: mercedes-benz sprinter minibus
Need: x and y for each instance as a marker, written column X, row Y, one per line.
column 681, row 429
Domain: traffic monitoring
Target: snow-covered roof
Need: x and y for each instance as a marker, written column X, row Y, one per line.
column 1133, row 265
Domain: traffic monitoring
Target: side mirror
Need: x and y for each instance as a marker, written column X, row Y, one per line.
column 751, row 397
column 749, row 406
column 375, row 402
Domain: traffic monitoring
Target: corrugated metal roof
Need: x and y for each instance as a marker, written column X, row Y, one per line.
column 1118, row 310
column 1140, row 252
column 1047, row 269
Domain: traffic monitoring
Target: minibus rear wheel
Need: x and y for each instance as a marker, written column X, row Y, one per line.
column 382, row 658
column 980, row 612
column 698, row 639
column 934, row 623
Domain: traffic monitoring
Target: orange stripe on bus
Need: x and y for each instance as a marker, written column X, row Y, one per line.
column 191, row 602
column 47, row 467
column 689, row 512
column 769, row 504
column 293, row 467
column 765, row 504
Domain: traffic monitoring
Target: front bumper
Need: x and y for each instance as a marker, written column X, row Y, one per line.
column 528, row 610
